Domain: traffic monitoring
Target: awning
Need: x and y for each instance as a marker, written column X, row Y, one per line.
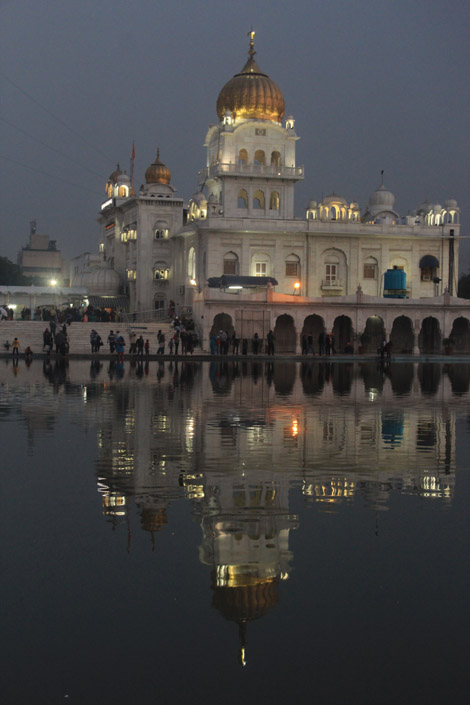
column 228, row 280
column 109, row 302
column 428, row 261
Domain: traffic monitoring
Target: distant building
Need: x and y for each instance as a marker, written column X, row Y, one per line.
column 41, row 258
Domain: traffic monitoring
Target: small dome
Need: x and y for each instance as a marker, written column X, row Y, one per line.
column 451, row 203
column 104, row 280
column 437, row 208
column 157, row 172
column 251, row 94
column 123, row 179
column 334, row 198
column 382, row 198
column 199, row 199
column 312, row 204
column 424, row 208
column 354, row 206
column 115, row 175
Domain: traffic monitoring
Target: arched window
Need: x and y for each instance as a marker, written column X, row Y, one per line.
column 192, row 263
column 334, row 213
column 258, row 200
column 123, row 191
column 161, row 234
column 274, row 201
column 161, row 271
column 243, row 156
column 259, row 157
column 276, row 158
column 370, row 268
column 293, row 266
column 242, row 198
column 230, row 263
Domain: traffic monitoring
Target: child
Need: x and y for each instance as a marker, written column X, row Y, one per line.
column 147, row 347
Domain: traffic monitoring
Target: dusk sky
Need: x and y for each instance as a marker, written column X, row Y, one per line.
column 372, row 84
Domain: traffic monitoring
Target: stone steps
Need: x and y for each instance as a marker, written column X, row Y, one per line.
column 30, row 333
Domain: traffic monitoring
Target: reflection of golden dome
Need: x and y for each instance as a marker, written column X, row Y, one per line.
column 157, row 172
column 115, row 175
column 153, row 519
column 245, row 602
column 251, row 94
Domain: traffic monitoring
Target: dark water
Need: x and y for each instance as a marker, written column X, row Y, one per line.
column 161, row 525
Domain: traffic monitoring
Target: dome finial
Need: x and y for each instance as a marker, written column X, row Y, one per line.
column 251, row 34
column 382, row 175
column 158, row 152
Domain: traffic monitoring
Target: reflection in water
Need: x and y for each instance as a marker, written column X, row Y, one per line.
column 237, row 441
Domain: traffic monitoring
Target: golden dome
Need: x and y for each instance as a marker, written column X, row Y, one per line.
column 251, row 94
column 245, row 602
column 115, row 175
column 157, row 172
column 153, row 519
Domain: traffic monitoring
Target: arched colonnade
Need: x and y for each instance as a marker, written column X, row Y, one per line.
column 430, row 334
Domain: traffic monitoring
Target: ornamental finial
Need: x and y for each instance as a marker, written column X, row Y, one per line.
column 251, row 34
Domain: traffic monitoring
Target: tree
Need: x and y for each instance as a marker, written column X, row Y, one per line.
column 11, row 274
column 464, row 286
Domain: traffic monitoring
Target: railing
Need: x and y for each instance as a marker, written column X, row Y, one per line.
column 333, row 284
column 269, row 170
column 158, row 314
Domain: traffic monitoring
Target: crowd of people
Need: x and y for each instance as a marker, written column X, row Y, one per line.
column 221, row 342
column 85, row 314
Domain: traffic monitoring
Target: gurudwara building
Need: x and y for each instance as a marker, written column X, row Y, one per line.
column 236, row 255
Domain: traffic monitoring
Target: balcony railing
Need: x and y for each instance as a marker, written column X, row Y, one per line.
column 331, row 285
column 267, row 170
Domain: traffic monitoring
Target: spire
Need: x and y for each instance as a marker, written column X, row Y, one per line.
column 252, row 51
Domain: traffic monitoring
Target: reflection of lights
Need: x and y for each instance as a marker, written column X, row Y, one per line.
column 373, row 394
column 284, row 576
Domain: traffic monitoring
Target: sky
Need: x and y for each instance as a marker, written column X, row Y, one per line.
column 372, row 85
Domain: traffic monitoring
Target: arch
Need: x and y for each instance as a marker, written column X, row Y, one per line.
column 459, row 377
column 258, row 200
column 429, row 339
column 260, row 157
column 284, row 378
column 402, row 336
column 159, row 302
column 274, row 201
column 342, row 378
column 373, row 378
column 222, row 321
column 243, row 156
column 230, row 263
column 192, row 263
column 313, row 378
column 242, row 198
column 314, row 325
column 123, row 191
column 343, row 332
column 373, row 334
column 284, row 332
column 333, row 213
column 275, row 158
column 161, row 270
column 460, row 335
column 429, row 376
column 401, row 378
column 292, row 266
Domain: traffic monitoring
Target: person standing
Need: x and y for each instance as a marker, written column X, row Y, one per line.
column 147, row 347
column 255, row 343
column 161, row 344
column 132, row 341
column 321, row 343
column 270, row 338
column 120, row 345
column 327, row 345
column 15, row 348
column 112, row 341
column 332, row 343
column 140, row 346
column 310, row 344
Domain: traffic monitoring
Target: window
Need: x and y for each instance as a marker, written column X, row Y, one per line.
column 274, row 201
column 161, row 234
column 259, row 157
column 292, row 269
column 243, row 156
column 192, row 263
column 261, row 269
column 276, row 158
column 258, row 200
column 131, row 274
column 242, row 199
column 230, row 263
column 162, row 273
column 370, row 271
column 331, row 273
column 427, row 274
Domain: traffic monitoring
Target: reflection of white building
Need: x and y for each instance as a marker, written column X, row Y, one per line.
column 241, row 223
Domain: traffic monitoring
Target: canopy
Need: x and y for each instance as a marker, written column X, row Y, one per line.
column 228, row 280
column 428, row 261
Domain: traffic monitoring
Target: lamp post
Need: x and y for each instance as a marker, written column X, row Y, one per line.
column 296, row 288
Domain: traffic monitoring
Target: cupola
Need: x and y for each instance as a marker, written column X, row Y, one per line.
column 157, row 172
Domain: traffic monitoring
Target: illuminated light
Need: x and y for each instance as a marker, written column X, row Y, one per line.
column 235, row 287
column 106, row 204
column 53, row 282
column 297, row 285
column 295, row 428
column 12, row 306
column 192, row 282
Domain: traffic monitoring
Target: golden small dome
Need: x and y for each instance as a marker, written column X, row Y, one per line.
column 115, row 175
column 245, row 602
column 157, row 172
column 251, row 94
